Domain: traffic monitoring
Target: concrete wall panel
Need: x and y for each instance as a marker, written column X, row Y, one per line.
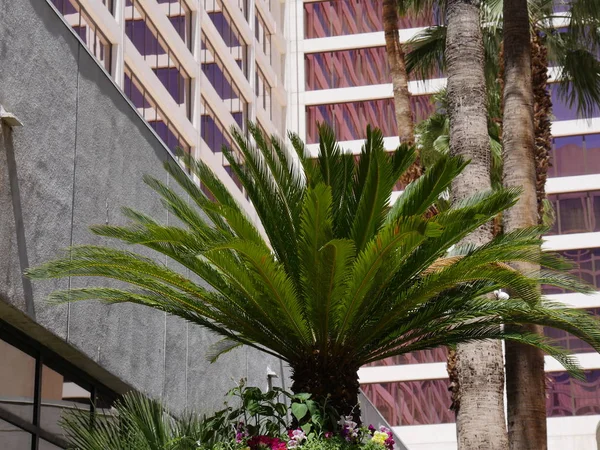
column 77, row 160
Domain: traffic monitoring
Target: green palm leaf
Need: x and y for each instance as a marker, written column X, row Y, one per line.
column 337, row 277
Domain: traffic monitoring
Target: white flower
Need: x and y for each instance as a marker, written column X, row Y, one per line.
column 501, row 295
column 298, row 435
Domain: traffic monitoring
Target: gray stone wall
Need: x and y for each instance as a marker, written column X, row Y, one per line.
column 77, row 160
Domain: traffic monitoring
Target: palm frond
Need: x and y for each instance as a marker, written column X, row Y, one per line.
column 337, row 273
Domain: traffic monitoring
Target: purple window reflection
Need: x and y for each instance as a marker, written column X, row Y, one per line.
column 561, row 108
column 173, row 82
column 575, row 155
column 224, row 28
column 143, row 38
column 212, row 134
column 350, row 68
column 439, row 354
column 64, row 7
column 179, row 23
column 167, row 135
column 592, row 153
column 568, row 157
column 350, row 120
column 233, row 176
column 561, row 6
column 568, row 341
column 424, row 402
column 343, row 17
column 219, row 80
column 133, row 93
column 587, row 268
column 576, row 212
column 567, row 396
column 347, row 68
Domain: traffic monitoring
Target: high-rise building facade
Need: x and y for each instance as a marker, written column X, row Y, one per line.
column 343, row 79
column 194, row 68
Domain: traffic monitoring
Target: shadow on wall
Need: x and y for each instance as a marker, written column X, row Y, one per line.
column 7, row 122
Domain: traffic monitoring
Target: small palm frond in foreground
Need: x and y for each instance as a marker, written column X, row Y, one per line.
column 339, row 277
column 135, row 423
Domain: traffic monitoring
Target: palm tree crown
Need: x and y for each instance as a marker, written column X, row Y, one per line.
column 337, row 277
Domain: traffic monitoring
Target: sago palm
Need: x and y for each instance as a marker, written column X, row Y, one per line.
column 334, row 276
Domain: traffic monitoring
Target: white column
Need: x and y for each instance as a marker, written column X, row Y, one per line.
column 118, row 49
column 252, row 60
column 196, row 97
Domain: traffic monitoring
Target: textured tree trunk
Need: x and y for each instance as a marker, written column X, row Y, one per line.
column 525, row 377
column 395, row 55
column 329, row 378
column 542, row 111
column 479, row 398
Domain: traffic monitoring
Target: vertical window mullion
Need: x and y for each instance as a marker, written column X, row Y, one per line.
column 37, row 400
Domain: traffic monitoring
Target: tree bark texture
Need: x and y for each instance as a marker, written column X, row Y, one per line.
column 328, row 378
column 525, row 377
column 402, row 108
column 397, row 64
column 542, row 111
column 479, row 366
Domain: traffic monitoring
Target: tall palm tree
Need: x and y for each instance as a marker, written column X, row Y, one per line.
column 336, row 277
column 574, row 50
column 397, row 66
column 479, row 385
column 525, row 376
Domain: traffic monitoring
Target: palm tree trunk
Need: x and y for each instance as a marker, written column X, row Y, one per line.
column 525, row 377
column 395, row 55
column 328, row 379
column 542, row 111
column 479, row 385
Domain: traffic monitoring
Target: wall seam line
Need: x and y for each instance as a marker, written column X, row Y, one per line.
column 74, row 183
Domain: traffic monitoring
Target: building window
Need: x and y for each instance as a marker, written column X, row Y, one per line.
column 212, row 130
column 263, row 93
column 262, row 35
column 222, row 82
column 343, row 17
column 568, row 341
column 575, row 155
column 433, row 355
column 587, row 268
column 148, row 109
column 158, row 55
column 567, row 396
column 350, row 120
column 561, row 109
column 180, row 17
column 422, row 402
column 36, row 388
column 576, row 212
column 96, row 42
column 351, row 68
column 230, row 34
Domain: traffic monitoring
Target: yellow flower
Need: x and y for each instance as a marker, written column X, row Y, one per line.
column 379, row 437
